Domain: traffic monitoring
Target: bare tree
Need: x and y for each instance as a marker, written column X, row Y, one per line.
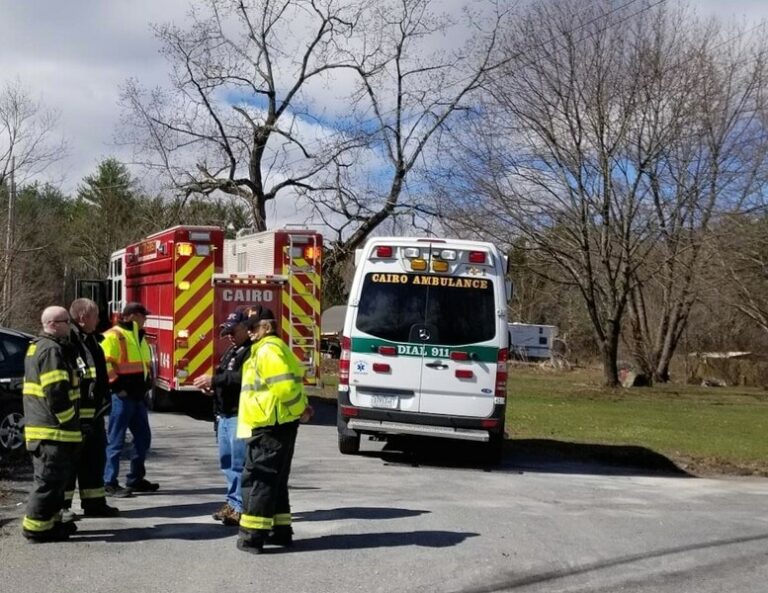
column 408, row 90
column 234, row 119
column 27, row 148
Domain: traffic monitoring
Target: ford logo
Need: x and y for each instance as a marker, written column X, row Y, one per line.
column 486, row 390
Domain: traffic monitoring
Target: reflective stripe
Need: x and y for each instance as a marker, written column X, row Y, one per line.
column 283, row 519
column 90, row 373
column 31, row 350
column 69, row 495
column 74, row 394
column 52, row 377
column 92, row 493
column 293, row 401
column 33, row 389
column 45, row 433
column 87, row 412
column 36, row 524
column 254, row 522
column 283, row 377
column 66, row 415
column 127, row 368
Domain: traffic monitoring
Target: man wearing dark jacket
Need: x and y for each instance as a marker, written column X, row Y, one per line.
column 127, row 356
column 94, row 387
column 225, row 387
column 52, row 430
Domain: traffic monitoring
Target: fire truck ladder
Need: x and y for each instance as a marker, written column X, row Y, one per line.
column 306, row 341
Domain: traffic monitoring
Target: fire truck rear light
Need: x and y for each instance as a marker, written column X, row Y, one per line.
column 439, row 266
column 384, row 251
column 411, row 252
column 419, row 265
column 349, row 411
column 458, row 355
column 184, row 285
column 182, row 343
column 381, row 367
column 203, row 250
column 477, row 257
column 182, row 364
column 311, row 253
column 185, row 249
column 489, row 423
column 388, row 350
column 183, row 333
column 464, row 374
column 448, row 255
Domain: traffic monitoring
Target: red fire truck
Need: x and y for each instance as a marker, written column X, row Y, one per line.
column 190, row 278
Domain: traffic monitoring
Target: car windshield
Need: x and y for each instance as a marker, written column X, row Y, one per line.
column 453, row 310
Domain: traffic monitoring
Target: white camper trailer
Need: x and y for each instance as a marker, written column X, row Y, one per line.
column 529, row 341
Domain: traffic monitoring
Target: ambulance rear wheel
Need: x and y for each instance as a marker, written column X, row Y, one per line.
column 349, row 445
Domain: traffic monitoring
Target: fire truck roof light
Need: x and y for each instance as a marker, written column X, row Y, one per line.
column 477, row 257
column 384, row 251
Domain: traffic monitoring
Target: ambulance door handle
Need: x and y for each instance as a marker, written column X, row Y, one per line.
column 437, row 365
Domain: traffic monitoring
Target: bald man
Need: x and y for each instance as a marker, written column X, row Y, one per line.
column 52, row 430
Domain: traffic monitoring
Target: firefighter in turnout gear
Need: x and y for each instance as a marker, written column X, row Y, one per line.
column 52, row 432
column 272, row 402
column 93, row 393
column 127, row 355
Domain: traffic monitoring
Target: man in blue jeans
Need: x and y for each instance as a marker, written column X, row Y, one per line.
column 127, row 355
column 225, row 387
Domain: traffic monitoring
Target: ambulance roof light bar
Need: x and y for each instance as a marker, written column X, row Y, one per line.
column 477, row 257
column 384, row 251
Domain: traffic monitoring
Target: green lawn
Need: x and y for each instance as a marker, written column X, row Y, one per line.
column 702, row 428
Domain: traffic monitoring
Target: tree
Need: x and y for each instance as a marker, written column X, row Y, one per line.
column 407, row 94
column 610, row 147
column 27, row 148
column 235, row 118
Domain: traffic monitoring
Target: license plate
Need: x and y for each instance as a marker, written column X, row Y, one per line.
column 384, row 401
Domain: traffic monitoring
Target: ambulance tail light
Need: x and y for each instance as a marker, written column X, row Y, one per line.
column 464, row 374
column 477, row 257
column 490, row 423
column 384, row 251
column 348, row 411
column 501, row 374
column 381, row 367
column 346, row 346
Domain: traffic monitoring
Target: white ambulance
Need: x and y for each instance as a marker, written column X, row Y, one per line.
column 425, row 342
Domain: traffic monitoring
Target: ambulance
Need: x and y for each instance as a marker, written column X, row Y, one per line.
column 425, row 343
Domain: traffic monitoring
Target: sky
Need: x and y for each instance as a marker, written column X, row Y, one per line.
column 74, row 55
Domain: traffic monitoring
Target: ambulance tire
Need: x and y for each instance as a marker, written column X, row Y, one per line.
column 494, row 449
column 349, row 445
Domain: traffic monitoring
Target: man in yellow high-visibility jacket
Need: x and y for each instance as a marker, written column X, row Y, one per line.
column 52, row 431
column 272, row 402
column 128, row 357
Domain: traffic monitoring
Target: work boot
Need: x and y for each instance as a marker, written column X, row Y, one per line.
column 222, row 512
column 117, row 491
column 100, row 510
column 253, row 543
column 57, row 533
column 281, row 535
column 69, row 527
column 143, row 486
column 231, row 517
column 68, row 516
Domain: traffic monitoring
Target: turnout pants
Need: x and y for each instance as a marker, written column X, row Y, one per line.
column 53, row 464
column 268, row 457
column 89, row 471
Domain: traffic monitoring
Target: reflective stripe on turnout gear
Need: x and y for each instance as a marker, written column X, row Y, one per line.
column 282, row 519
column 45, row 433
column 37, row 525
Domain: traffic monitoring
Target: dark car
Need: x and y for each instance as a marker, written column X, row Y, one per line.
column 13, row 349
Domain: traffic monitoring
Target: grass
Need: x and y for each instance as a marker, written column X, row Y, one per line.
column 703, row 430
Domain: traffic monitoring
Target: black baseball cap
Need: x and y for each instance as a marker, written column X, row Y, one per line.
column 131, row 308
column 240, row 315
column 262, row 315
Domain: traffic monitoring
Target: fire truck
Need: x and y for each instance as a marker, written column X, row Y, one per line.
column 191, row 278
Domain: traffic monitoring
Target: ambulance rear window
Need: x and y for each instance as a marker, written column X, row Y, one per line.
column 455, row 310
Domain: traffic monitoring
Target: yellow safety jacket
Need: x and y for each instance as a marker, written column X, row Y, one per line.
column 51, row 393
column 127, row 356
column 272, row 390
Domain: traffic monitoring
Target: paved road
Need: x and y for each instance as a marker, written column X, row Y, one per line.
column 384, row 521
